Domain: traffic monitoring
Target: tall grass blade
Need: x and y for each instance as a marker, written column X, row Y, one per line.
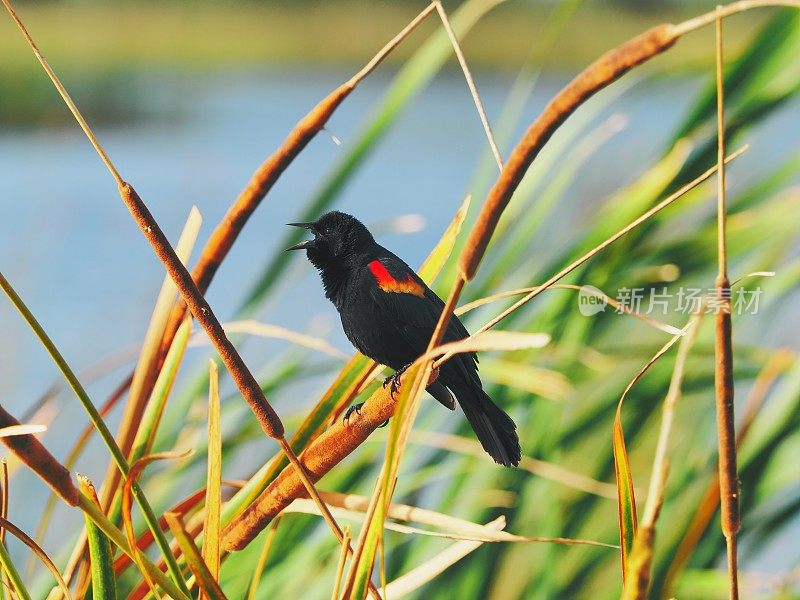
column 100, row 557
column 372, row 531
column 211, row 524
column 205, row 580
column 28, row 429
column 262, row 557
column 545, row 470
column 37, row 550
column 266, row 330
column 4, row 513
column 452, row 527
column 639, row 563
column 626, row 496
column 337, row 581
column 120, row 541
column 462, row 61
column 435, row 261
column 13, row 575
column 151, row 419
column 416, row 578
column 488, row 341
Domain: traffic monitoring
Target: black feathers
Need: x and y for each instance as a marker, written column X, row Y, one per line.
column 389, row 314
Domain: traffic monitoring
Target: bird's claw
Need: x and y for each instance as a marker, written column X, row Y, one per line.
column 356, row 408
column 394, row 380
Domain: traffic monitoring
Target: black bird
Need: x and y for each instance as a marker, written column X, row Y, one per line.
column 389, row 314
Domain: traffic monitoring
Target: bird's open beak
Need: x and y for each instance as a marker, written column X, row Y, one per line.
column 306, row 243
column 302, row 245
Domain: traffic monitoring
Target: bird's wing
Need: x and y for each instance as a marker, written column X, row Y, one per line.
column 412, row 305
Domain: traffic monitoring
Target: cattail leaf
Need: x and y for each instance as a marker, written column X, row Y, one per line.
column 39, row 552
column 372, row 532
column 438, row 257
column 266, row 330
column 419, row 576
column 13, row 575
column 450, row 527
column 546, row 383
column 626, row 498
column 488, row 341
column 205, row 581
column 146, row 433
column 22, row 430
column 262, row 558
column 100, row 556
column 129, row 489
column 211, row 524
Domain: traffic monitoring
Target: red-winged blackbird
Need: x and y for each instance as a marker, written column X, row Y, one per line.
column 389, row 314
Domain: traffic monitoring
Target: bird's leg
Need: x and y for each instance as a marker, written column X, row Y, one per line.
column 356, row 408
column 395, row 379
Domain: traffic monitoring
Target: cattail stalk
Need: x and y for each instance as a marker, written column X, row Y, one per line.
column 723, row 350
column 324, row 453
column 605, row 70
column 31, row 452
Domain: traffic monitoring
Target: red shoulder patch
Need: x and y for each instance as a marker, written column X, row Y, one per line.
column 389, row 284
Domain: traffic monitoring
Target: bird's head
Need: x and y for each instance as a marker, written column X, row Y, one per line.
column 338, row 239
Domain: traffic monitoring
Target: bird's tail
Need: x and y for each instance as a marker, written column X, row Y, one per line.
column 494, row 428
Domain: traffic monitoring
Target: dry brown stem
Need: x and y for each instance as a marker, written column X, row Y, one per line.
column 201, row 311
column 31, row 451
column 605, row 70
column 707, row 507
